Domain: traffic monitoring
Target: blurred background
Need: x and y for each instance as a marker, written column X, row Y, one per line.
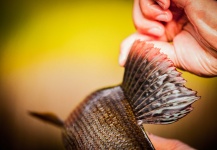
column 54, row 53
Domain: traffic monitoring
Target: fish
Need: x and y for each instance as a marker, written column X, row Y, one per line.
column 152, row 92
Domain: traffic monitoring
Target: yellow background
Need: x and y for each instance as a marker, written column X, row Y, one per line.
column 54, row 53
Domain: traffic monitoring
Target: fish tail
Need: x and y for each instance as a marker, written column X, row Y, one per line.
column 153, row 86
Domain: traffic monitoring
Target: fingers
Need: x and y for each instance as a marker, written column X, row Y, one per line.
column 189, row 56
column 125, row 47
column 182, row 3
column 192, row 51
column 144, row 15
column 156, row 10
column 202, row 14
column 205, row 22
column 163, row 143
column 164, row 4
column 192, row 57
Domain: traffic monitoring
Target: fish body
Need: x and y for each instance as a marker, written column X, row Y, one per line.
column 104, row 120
column 152, row 92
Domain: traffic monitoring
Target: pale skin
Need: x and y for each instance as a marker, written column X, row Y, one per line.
column 185, row 30
column 168, row 144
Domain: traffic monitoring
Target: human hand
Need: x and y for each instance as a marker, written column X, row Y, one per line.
column 165, row 144
column 190, row 25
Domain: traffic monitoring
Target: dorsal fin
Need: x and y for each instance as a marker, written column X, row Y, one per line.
column 153, row 86
column 48, row 117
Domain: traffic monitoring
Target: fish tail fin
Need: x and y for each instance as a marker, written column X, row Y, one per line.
column 48, row 117
column 153, row 86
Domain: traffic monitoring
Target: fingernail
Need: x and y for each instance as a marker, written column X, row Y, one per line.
column 155, row 31
column 162, row 17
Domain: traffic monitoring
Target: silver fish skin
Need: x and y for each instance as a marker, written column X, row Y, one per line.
column 152, row 92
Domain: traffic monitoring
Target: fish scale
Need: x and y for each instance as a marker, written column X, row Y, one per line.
column 152, row 92
column 112, row 119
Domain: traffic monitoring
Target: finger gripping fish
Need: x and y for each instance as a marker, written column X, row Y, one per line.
column 152, row 92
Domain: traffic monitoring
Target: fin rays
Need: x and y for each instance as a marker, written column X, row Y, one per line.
column 138, row 68
column 154, row 88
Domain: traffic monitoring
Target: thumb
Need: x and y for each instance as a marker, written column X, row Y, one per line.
column 165, row 144
column 165, row 47
column 192, row 57
column 202, row 14
column 185, row 53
